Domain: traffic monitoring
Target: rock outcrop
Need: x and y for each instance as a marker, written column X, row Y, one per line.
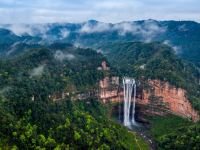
column 169, row 98
column 109, row 90
column 159, row 99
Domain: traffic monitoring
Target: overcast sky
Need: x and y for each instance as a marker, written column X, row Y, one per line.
column 48, row 11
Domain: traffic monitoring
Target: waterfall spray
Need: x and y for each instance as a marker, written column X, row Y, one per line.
column 129, row 84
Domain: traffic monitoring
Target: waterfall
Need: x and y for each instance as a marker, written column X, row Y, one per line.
column 129, row 115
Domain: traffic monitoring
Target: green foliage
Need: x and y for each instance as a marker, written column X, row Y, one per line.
column 40, row 73
column 80, row 130
column 155, row 61
column 167, row 124
column 40, row 123
column 172, row 132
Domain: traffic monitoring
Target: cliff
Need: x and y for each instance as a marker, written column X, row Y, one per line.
column 159, row 98
column 154, row 97
column 168, row 98
column 109, row 90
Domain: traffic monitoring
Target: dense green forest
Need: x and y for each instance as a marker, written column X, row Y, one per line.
column 31, row 120
column 158, row 61
column 184, row 36
column 155, row 61
column 172, row 132
column 64, row 125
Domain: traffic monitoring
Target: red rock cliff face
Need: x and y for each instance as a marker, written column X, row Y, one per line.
column 174, row 98
column 109, row 90
column 171, row 99
column 109, row 87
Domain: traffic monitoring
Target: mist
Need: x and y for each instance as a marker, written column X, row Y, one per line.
column 38, row 71
column 61, row 56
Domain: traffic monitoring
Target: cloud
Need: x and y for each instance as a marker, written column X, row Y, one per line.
column 38, row 71
column 60, row 56
column 98, row 27
column 177, row 49
column 64, row 33
column 126, row 27
column 42, row 11
column 148, row 30
column 20, row 29
column 12, row 48
column 100, row 51
column 25, row 29
column 77, row 45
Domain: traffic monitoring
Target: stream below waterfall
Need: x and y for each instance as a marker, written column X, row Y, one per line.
column 141, row 131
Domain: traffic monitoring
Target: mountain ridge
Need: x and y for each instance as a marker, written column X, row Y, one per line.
column 182, row 36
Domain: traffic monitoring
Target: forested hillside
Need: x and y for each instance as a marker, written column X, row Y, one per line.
column 31, row 120
column 158, row 61
column 154, row 61
column 183, row 36
column 37, row 67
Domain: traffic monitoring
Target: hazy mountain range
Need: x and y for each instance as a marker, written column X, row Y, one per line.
column 182, row 36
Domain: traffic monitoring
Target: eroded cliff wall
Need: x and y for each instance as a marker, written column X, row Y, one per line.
column 169, row 97
column 158, row 99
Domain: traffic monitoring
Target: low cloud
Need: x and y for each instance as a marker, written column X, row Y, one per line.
column 151, row 29
column 38, row 71
column 77, row 45
column 147, row 30
column 100, row 51
column 99, row 27
column 176, row 49
column 32, row 30
column 60, row 56
column 20, row 29
column 126, row 27
column 12, row 49
column 42, row 11
column 64, row 33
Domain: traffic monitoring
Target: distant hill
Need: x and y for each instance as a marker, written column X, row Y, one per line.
column 183, row 36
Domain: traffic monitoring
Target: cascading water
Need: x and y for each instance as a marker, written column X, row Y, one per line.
column 129, row 115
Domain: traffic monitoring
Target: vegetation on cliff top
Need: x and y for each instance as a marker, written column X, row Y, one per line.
column 31, row 120
column 158, row 61
column 155, row 61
